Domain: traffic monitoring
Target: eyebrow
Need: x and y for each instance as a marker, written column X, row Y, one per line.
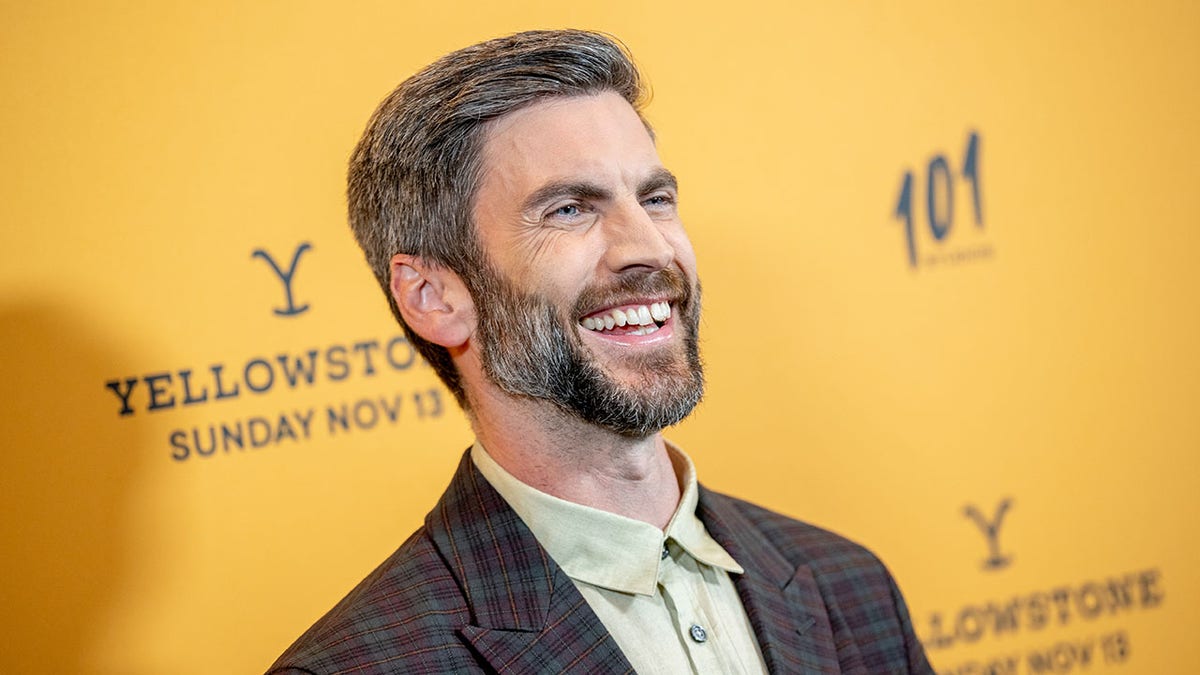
column 557, row 190
column 658, row 179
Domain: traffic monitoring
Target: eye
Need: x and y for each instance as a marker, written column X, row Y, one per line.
column 567, row 214
column 659, row 203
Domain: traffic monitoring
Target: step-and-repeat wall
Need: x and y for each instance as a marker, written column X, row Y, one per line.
column 952, row 311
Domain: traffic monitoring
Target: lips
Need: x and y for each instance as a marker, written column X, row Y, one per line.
column 634, row 305
column 632, row 319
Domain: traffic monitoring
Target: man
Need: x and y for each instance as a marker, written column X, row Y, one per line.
column 511, row 202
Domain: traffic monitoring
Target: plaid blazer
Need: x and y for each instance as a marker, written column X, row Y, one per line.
column 473, row 591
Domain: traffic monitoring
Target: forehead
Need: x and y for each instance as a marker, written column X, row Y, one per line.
column 599, row 137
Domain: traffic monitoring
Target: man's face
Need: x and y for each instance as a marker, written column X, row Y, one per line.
column 589, row 296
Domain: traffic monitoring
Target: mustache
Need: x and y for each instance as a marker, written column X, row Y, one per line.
column 668, row 283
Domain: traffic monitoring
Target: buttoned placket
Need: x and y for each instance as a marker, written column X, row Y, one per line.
column 682, row 583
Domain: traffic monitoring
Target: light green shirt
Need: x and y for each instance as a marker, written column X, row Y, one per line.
column 665, row 596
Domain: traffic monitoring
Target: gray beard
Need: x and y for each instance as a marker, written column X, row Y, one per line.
column 529, row 349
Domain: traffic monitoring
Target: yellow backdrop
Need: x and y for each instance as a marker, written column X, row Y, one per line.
column 952, row 312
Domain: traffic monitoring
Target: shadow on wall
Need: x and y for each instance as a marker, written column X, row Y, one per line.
column 65, row 471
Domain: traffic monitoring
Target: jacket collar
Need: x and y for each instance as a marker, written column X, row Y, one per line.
column 527, row 615
column 782, row 600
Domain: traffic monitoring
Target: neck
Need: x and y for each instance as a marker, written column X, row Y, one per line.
column 555, row 452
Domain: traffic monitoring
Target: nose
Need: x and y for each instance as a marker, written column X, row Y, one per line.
column 634, row 240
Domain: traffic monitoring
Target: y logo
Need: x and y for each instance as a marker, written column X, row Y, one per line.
column 991, row 530
column 286, row 278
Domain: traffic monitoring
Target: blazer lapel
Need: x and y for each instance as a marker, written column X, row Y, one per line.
column 782, row 601
column 527, row 616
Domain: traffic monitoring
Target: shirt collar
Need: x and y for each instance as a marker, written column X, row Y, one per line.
column 601, row 548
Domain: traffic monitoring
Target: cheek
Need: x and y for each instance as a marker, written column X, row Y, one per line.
column 683, row 250
column 557, row 276
column 570, row 259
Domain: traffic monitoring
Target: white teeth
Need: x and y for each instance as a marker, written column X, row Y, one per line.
column 643, row 316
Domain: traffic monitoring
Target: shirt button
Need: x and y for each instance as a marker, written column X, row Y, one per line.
column 665, row 552
column 698, row 633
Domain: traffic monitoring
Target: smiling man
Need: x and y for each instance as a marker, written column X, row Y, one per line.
column 511, row 201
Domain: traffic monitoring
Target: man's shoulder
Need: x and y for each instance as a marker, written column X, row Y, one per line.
column 403, row 616
column 868, row 616
column 800, row 543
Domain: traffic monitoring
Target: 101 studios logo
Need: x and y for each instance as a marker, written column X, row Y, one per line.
column 287, row 278
column 937, row 201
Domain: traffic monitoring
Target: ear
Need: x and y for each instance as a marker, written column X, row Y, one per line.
column 433, row 300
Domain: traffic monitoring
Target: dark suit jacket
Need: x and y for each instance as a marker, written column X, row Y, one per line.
column 473, row 591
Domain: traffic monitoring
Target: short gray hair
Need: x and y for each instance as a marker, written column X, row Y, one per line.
column 414, row 174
